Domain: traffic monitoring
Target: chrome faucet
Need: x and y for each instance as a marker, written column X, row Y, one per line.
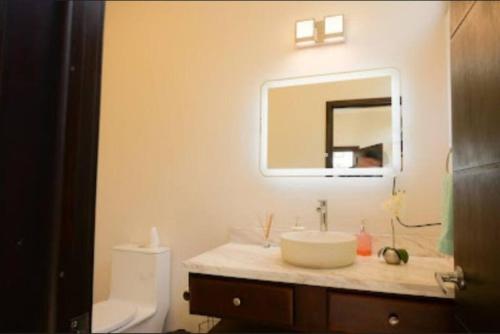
column 323, row 215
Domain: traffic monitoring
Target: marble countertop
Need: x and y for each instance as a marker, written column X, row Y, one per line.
column 415, row 278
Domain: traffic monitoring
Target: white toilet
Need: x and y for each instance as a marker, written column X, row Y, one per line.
column 140, row 291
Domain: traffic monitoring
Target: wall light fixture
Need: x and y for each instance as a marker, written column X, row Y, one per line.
column 314, row 33
column 305, row 33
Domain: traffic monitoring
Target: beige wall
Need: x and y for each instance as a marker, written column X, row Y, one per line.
column 296, row 119
column 179, row 137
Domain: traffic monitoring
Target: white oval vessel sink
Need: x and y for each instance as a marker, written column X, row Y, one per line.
column 320, row 250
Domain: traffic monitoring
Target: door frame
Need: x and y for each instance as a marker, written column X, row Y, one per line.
column 50, row 77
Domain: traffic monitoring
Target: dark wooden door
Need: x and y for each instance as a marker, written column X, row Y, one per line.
column 475, row 67
column 50, row 57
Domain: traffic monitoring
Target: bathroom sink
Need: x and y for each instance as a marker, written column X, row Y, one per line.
column 316, row 249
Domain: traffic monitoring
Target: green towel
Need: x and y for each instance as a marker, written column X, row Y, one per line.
column 446, row 240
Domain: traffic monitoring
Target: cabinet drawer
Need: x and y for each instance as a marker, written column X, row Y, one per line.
column 240, row 299
column 364, row 313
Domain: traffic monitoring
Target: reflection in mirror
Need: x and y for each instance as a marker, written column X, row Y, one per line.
column 340, row 124
column 358, row 133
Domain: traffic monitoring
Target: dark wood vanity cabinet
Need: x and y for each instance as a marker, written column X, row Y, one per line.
column 301, row 308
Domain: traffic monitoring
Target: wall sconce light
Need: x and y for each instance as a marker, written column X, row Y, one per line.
column 334, row 29
column 314, row 33
column 305, row 33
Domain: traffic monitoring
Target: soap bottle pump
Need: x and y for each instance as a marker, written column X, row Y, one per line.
column 364, row 241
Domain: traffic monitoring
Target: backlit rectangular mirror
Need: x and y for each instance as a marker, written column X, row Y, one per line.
column 345, row 124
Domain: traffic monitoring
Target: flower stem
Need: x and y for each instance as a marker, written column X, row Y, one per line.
column 393, row 234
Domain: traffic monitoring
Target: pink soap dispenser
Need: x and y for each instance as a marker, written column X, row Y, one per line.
column 364, row 241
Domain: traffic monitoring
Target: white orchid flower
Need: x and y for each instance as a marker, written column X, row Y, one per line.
column 394, row 204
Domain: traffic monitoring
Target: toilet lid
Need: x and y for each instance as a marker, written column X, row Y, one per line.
column 110, row 315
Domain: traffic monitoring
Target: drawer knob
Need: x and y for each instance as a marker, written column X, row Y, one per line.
column 236, row 301
column 393, row 320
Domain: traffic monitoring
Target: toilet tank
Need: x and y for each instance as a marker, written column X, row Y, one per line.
column 141, row 275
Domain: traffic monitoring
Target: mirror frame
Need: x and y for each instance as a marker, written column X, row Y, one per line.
column 396, row 120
